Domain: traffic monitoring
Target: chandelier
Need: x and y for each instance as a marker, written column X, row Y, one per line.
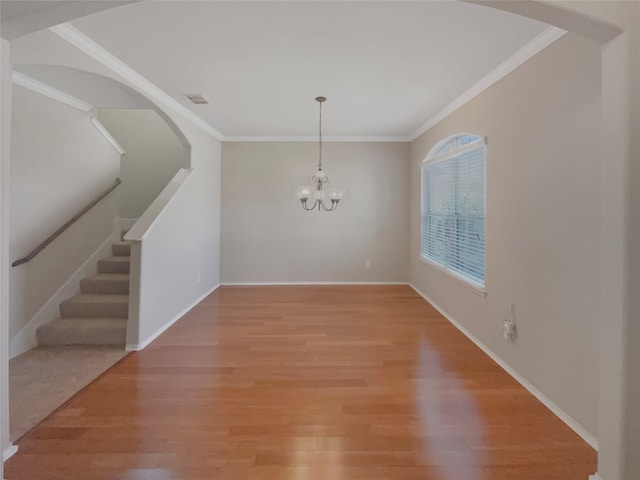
column 318, row 193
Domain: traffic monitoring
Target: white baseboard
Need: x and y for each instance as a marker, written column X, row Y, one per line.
column 137, row 347
column 561, row 414
column 595, row 476
column 9, row 452
column 238, row 284
column 25, row 339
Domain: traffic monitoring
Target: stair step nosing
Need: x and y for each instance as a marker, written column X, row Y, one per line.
column 104, row 279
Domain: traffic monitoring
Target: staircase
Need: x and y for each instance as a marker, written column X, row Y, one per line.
column 98, row 314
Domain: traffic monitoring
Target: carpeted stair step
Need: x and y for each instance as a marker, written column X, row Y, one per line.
column 106, row 283
column 121, row 249
column 95, row 306
column 113, row 265
column 83, row 331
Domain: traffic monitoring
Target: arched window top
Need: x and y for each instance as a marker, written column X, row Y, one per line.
column 452, row 143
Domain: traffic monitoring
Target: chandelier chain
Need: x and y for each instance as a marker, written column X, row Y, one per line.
column 320, row 135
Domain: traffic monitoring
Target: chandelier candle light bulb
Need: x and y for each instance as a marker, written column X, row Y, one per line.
column 317, row 193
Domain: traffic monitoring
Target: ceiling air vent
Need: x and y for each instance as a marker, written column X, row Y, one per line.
column 196, row 98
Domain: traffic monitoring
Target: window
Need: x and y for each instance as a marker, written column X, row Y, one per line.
column 453, row 207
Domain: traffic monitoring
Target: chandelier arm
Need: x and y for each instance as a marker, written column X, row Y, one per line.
column 306, row 207
column 334, row 205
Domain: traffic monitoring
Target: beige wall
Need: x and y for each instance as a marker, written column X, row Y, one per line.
column 59, row 164
column 153, row 155
column 268, row 237
column 542, row 230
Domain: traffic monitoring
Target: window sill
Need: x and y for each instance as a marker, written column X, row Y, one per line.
column 474, row 287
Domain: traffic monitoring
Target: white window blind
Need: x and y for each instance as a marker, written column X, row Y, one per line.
column 453, row 207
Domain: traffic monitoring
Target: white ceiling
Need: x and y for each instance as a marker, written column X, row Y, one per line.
column 386, row 67
column 19, row 17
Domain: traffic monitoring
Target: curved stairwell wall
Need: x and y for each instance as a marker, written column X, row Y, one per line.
column 153, row 155
column 59, row 163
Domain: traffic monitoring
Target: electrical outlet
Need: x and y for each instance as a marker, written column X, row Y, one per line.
column 508, row 329
column 509, row 324
column 367, row 264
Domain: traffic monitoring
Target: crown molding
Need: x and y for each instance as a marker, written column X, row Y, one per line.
column 314, row 139
column 539, row 43
column 44, row 89
column 100, row 54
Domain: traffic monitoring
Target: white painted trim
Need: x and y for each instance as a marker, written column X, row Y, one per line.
column 535, row 46
column 105, row 133
column 561, row 414
column 257, row 284
column 293, row 138
column 146, row 221
column 98, row 53
column 9, row 452
column 137, row 347
column 44, row 89
column 25, row 339
column 454, row 152
column 595, row 476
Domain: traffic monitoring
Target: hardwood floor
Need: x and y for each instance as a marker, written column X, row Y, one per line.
column 305, row 383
